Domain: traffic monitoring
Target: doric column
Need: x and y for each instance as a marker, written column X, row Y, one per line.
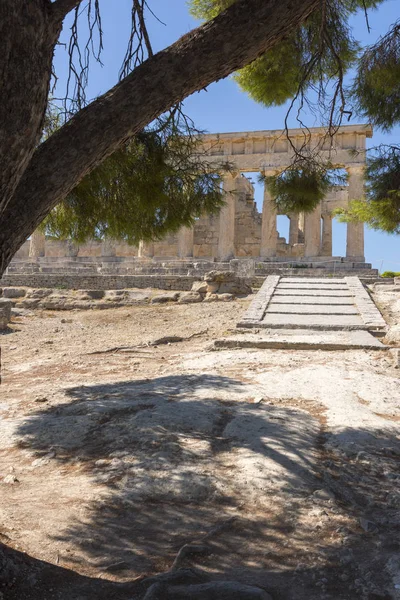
column 269, row 234
column 301, row 228
column 326, row 246
column 37, row 244
column 185, row 242
column 312, row 233
column 293, row 229
column 146, row 249
column 108, row 247
column 355, row 231
column 226, row 242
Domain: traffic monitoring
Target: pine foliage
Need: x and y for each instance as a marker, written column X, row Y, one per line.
column 376, row 89
column 299, row 189
column 381, row 208
column 153, row 185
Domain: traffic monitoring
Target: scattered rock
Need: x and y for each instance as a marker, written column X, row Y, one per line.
column 226, row 282
column 226, row 297
column 164, row 298
column 200, row 287
column 14, row 292
column 211, row 297
column 190, row 298
column 41, row 399
column 10, row 479
column 220, row 276
column 323, row 496
column 5, row 313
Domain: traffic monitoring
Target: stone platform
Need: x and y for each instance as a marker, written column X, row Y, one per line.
column 107, row 273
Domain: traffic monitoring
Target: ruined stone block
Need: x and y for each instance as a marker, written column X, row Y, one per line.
column 5, row 313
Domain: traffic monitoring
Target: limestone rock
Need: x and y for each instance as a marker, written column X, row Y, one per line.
column 200, row 287
column 14, row 292
column 164, row 298
column 219, row 276
column 190, row 298
column 226, row 282
column 211, row 297
column 225, row 297
column 5, row 312
column 239, row 288
column 393, row 335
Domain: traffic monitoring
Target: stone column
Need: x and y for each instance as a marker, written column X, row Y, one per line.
column 301, row 228
column 226, row 242
column 146, row 249
column 312, row 233
column 37, row 244
column 108, row 247
column 269, row 234
column 355, row 231
column 185, row 242
column 326, row 246
column 293, row 229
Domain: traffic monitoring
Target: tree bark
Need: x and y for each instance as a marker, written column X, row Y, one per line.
column 209, row 53
column 28, row 34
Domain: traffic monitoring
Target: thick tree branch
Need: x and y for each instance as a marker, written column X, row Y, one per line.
column 60, row 8
column 209, row 53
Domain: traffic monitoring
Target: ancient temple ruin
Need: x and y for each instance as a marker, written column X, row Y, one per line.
column 240, row 231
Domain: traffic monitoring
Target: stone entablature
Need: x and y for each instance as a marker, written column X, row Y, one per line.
column 240, row 231
column 260, row 150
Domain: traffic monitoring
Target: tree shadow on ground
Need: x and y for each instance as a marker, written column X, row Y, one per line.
column 175, row 456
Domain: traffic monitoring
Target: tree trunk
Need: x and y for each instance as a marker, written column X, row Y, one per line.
column 211, row 52
column 27, row 38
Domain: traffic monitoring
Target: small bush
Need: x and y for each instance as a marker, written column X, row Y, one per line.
column 390, row 274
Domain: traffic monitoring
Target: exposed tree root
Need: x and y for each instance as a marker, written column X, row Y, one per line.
column 190, row 584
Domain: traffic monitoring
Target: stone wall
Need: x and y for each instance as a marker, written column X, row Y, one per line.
column 100, row 282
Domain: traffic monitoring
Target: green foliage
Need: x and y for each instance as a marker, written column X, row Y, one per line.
column 299, row 189
column 303, row 60
column 390, row 274
column 151, row 186
column 381, row 208
column 376, row 89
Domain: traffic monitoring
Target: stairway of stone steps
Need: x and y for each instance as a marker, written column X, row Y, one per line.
column 326, row 313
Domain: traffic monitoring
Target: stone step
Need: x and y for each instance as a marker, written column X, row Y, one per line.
column 311, row 309
column 312, row 280
column 309, row 292
column 302, row 339
column 312, row 321
column 312, row 286
column 313, row 300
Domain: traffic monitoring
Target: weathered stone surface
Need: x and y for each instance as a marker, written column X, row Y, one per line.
column 225, row 297
column 220, row 276
column 13, row 292
column 5, row 312
column 211, row 297
column 226, row 282
column 200, row 287
column 163, row 298
column 303, row 339
column 190, row 298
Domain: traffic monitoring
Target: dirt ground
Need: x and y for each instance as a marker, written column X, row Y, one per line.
column 114, row 453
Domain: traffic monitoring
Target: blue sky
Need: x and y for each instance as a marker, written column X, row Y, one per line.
column 223, row 107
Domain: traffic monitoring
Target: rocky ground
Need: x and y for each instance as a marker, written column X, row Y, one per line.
column 280, row 469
